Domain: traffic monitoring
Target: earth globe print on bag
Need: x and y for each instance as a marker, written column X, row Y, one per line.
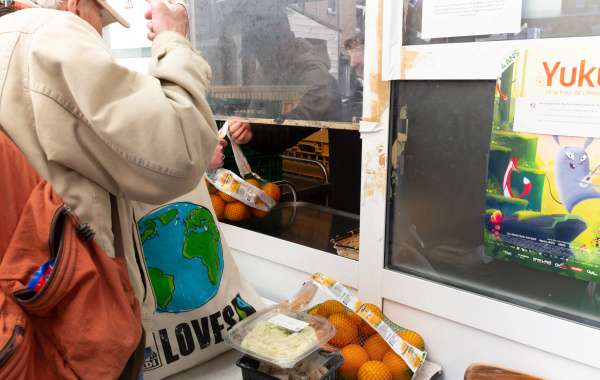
column 190, row 288
column 187, row 278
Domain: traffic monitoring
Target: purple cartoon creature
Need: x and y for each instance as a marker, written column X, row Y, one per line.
column 573, row 176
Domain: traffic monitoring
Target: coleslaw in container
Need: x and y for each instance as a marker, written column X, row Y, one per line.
column 280, row 336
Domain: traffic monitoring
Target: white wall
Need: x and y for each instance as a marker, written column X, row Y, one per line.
column 274, row 281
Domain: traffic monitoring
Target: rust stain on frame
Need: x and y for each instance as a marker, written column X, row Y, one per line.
column 375, row 173
column 408, row 59
column 379, row 96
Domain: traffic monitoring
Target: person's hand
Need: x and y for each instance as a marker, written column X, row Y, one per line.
column 218, row 157
column 240, row 131
column 166, row 16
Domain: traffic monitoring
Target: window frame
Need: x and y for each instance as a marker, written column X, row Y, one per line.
column 332, row 7
column 377, row 284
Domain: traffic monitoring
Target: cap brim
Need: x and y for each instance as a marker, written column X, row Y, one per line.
column 110, row 15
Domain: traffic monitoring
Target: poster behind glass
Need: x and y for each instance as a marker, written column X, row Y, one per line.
column 283, row 59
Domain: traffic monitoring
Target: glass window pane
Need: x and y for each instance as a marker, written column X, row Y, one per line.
column 297, row 61
column 540, row 19
column 438, row 201
column 283, row 59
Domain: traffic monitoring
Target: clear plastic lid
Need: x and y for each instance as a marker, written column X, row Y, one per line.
column 280, row 336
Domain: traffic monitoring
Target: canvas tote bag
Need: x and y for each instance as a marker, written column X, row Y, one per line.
column 195, row 291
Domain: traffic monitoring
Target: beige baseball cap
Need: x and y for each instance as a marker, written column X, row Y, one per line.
column 110, row 15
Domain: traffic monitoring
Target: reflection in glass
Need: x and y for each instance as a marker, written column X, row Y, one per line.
column 283, row 59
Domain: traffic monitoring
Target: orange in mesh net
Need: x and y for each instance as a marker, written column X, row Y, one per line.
column 374, row 370
column 218, row 205
column 345, row 331
column 413, row 338
column 376, row 347
column 226, row 197
column 272, row 190
column 259, row 213
column 400, row 370
column 355, row 318
column 330, row 307
column 354, row 357
column 236, row 211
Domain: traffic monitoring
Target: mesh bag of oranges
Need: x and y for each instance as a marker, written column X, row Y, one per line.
column 373, row 347
column 236, row 198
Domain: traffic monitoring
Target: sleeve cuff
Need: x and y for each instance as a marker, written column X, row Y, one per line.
column 166, row 41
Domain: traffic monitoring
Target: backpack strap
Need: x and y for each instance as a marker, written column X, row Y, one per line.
column 136, row 361
column 116, row 227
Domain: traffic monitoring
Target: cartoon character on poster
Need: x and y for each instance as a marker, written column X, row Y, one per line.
column 543, row 189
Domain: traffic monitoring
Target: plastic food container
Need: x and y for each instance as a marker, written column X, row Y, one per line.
column 331, row 363
column 280, row 336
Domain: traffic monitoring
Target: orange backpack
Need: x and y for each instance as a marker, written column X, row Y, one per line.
column 9, row 6
column 84, row 321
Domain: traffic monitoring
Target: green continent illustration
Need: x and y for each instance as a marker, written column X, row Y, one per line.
column 183, row 254
column 164, row 286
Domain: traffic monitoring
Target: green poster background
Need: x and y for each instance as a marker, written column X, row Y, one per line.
column 542, row 199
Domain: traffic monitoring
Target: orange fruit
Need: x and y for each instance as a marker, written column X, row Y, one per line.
column 355, row 318
column 365, row 328
column 272, row 190
column 412, row 338
column 345, row 331
column 219, row 205
column 354, row 357
column 400, row 370
column 236, row 211
column 254, row 182
column 226, row 197
column 374, row 370
column 330, row 307
column 259, row 213
column 376, row 347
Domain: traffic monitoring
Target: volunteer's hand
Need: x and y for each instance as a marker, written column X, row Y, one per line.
column 240, row 131
column 218, row 157
column 166, row 16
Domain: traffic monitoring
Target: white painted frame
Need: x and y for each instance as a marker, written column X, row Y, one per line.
column 375, row 283
column 542, row 331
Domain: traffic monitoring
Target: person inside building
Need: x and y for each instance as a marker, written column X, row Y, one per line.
column 100, row 134
column 355, row 48
column 285, row 60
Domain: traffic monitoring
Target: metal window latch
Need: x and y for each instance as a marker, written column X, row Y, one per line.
column 400, row 141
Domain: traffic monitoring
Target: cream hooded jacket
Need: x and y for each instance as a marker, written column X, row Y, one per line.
column 92, row 127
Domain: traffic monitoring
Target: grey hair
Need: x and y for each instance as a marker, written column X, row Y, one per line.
column 50, row 4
